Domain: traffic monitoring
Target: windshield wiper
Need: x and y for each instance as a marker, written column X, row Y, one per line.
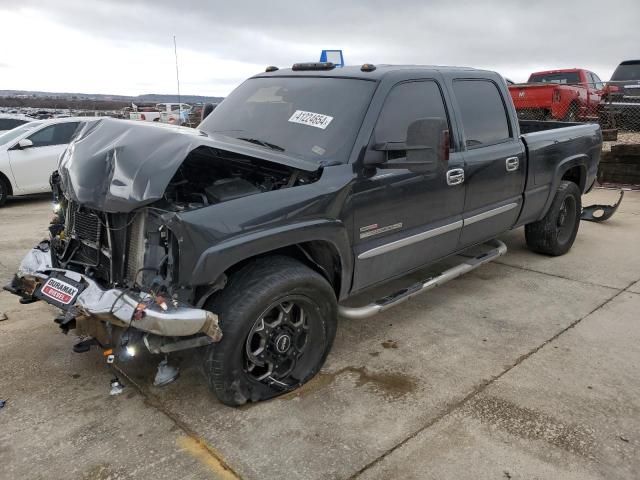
column 262, row 143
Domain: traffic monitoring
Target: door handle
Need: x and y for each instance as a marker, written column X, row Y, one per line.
column 512, row 164
column 455, row 176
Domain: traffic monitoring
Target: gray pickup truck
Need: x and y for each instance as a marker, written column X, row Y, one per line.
column 304, row 187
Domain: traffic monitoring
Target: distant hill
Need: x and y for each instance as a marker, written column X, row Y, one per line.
column 101, row 97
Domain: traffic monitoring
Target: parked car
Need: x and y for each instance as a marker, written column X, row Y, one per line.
column 9, row 121
column 30, row 152
column 304, row 187
column 176, row 114
column 571, row 94
column 163, row 112
column 621, row 100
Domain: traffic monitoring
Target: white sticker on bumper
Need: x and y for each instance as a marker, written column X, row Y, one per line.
column 59, row 291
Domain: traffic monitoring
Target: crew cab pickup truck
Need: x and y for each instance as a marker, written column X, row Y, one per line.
column 302, row 188
column 570, row 95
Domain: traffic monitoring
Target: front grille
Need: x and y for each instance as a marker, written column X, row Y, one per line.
column 85, row 225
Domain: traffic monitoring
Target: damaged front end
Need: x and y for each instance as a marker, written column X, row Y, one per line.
column 112, row 262
column 69, row 272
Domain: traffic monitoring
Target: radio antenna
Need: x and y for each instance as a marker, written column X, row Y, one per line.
column 175, row 51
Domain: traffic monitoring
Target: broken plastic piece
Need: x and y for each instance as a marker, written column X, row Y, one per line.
column 2, row 403
column 116, row 387
column 160, row 300
column 592, row 212
column 165, row 374
column 85, row 345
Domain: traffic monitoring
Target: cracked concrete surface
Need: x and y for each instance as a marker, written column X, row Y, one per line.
column 525, row 368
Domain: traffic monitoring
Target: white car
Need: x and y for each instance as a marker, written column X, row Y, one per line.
column 30, row 153
column 9, row 121
column 172, row 113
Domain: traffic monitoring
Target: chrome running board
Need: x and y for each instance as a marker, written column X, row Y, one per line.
column 499, row 249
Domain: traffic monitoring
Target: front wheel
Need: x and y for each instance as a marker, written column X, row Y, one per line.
column 278, row 320
column 4, row 191
column 556, row 232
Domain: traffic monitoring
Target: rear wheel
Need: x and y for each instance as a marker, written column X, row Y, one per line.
column 278, row 320
column 556, row 232
column 572, row 113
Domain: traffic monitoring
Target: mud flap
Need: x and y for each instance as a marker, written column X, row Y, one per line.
column 600, row 213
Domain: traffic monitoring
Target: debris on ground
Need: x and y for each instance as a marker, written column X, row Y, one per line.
column 165, row 374
column 116, row 387
column 3, row 316
column 600, row 213
column 2, row 403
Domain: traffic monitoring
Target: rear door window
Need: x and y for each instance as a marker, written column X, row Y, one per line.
column 64, row 132
column 54, row 134
column 483, row 111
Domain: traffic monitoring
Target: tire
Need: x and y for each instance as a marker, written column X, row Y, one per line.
column 572, row 113
column 556, row 232
column 4, row 191
column 278, row 320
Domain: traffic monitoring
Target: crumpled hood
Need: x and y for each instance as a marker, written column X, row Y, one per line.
column 119, row 165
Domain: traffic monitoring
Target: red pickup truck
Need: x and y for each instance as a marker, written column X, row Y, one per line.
column 571, row 94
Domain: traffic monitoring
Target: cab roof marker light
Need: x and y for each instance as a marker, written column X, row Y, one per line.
column 367, row 67
column 271, row 68
column 313, row 66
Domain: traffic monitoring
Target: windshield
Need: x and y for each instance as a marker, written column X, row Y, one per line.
column 7, row 137
column 627, row 71
column 565, row 77
column 313, row 118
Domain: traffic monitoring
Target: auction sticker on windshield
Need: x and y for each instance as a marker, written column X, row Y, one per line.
column 312, row 119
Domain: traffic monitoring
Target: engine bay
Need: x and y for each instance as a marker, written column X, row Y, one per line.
column 211, row 176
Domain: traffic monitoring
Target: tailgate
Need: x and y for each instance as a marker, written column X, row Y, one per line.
column 532, row 95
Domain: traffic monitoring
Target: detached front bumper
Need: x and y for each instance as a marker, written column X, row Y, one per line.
column 115, row 305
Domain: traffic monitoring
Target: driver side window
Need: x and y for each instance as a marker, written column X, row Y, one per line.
column 406, row 103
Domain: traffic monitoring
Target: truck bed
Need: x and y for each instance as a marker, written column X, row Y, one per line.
column 553, row 147
column 530, row 126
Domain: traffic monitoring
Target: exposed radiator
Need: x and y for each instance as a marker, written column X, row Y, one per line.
column 136, row 246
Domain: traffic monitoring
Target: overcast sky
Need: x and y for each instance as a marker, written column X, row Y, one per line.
column 126, row 46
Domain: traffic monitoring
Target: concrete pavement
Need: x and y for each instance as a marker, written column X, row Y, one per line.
column 525, row 368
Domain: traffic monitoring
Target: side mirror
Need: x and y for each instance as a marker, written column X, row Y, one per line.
column 206, row 110
column 426, row 147
column 24, row 143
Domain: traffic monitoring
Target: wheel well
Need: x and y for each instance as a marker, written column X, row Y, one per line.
column 576, row 175
column 6, row 181
column 318, row 255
